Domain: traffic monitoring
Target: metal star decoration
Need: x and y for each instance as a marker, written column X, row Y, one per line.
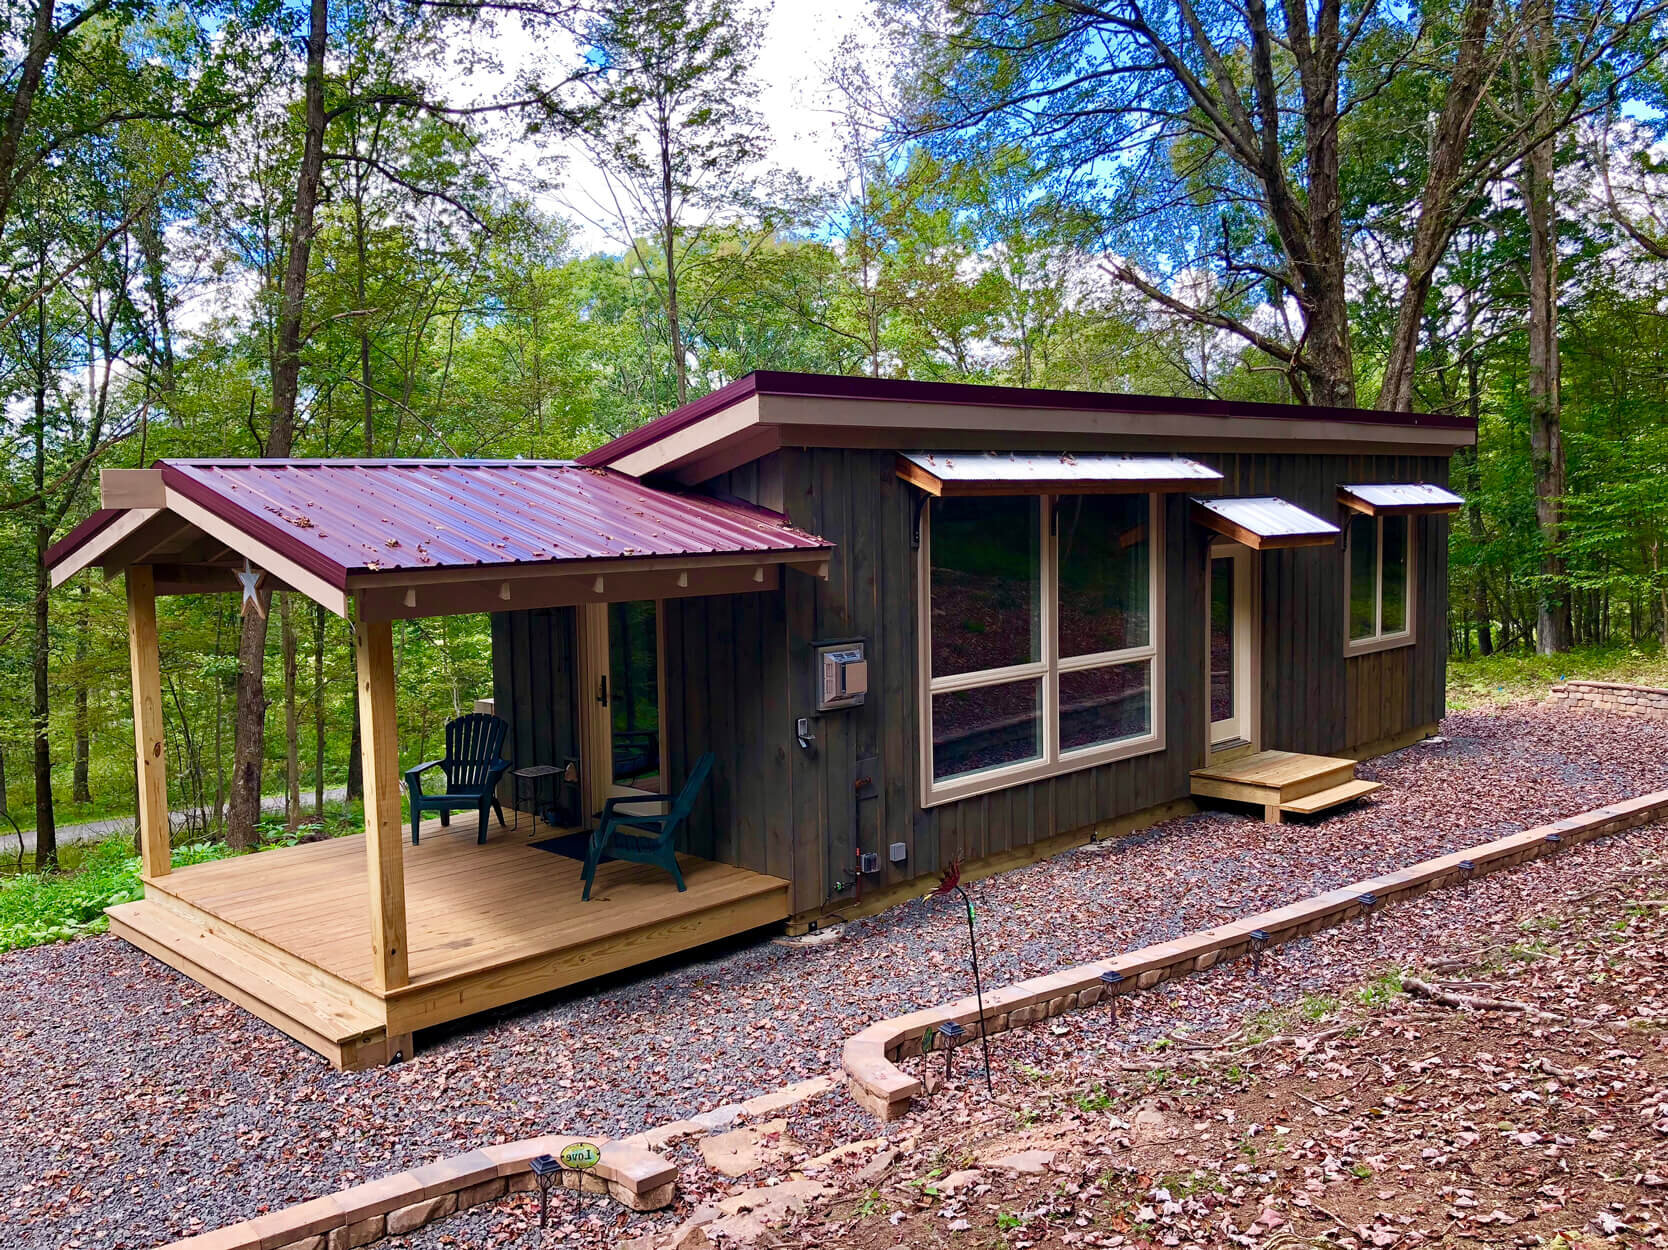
column 250, row 580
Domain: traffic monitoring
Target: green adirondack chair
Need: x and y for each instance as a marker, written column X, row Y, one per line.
column 473, row 768
column 646, row 839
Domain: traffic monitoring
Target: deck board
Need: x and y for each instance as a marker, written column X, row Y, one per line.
column 486, row 925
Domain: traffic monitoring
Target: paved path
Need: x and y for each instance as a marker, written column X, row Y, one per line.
column 109, row 826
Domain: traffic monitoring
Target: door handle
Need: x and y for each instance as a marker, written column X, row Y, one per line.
column 602, row 690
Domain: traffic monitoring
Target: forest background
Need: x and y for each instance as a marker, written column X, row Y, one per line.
column 499, row 228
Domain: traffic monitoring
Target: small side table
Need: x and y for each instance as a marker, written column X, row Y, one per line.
column 527, row 783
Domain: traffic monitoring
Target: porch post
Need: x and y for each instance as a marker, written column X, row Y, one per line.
column 373, row 644
column 154, row 854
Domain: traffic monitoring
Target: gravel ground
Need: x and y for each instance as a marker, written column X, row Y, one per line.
column 141, row 1106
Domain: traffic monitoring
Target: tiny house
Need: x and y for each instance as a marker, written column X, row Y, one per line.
column 911, row 624
column 1074, row 612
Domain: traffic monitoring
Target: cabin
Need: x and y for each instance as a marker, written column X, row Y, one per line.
column 912, row 625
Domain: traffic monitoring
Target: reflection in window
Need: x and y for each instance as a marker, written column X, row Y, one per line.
column 987, row 727
column 1363, row 577
column 1393, row 614
column 1102, row 705
column 634, row 693
column 986, row 583
column 1002, row 694
column 1104, row 579
column 1379, row 577
column 1221, row 639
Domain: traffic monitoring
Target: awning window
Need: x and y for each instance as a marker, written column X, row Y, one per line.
column 1398, row 498
column 1265, row 523
column 1051, row 473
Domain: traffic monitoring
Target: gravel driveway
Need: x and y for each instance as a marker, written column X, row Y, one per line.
column 139, row 1106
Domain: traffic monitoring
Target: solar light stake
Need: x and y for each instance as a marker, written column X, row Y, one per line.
column 545, row 1169
column 1368, row 902
column 1466, row 868
column 1111, row 979
column 950, row 883
column 954, row 1033
column 1259, row 944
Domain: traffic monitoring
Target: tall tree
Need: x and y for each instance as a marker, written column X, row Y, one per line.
column 675, row 131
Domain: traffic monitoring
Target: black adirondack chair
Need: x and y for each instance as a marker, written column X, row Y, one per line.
column 648, row 839
column 472, row 767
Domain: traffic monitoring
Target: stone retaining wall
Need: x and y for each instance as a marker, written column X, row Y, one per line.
column 629, row 1172
column 870, row 1057
column 1606, row 696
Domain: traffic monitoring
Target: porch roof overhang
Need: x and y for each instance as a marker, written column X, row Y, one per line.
column 1264, row 524
column 1045, row 473
column 1399, row 498
column 409, row 538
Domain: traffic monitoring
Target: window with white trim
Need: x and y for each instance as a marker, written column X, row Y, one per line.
column 1379, row 580
column 1040, row 639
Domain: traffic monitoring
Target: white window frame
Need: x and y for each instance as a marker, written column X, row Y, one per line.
column 1378, row 640
column 1053, row 761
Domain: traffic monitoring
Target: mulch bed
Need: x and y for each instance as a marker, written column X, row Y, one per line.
column 141, row 1106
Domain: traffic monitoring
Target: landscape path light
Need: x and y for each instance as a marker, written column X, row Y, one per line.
column 545, row 1170
column 950, row 883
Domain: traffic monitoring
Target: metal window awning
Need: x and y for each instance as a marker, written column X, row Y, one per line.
column 1265, row 523
column 1051, row 473
column 1398, row 498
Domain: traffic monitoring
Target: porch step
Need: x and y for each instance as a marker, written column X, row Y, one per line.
column 1272, row 778
column 1309, row 804
column 343, row 1032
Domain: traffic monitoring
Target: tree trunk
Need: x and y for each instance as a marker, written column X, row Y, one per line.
column 81, row 788
column 46, row 825
column 1546, row 440
column 249, row 750
column 669, row 243
column 292, row 730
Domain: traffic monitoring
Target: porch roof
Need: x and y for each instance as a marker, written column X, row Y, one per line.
column 335, row 526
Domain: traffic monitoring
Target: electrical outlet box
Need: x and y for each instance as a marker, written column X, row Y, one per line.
column 868, row 862
column 843, row 674
column 898, row 852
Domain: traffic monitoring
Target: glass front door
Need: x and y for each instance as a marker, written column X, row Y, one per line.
column 622, row 711
column 1228, row 650
column 633, row 695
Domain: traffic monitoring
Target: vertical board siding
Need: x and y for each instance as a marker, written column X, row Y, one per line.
column 740, row 670
column 533, row 687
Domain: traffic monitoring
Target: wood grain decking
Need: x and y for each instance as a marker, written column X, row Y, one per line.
column 1282, row 782
column 289, row 929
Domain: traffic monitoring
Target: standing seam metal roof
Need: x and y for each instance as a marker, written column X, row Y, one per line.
column 336, row 517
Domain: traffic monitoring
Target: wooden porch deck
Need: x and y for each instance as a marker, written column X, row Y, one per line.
column 286, row 933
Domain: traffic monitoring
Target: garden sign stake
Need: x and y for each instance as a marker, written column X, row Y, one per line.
column 950, row 883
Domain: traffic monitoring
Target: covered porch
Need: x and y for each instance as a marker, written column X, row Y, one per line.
column 286, row 933
column 352, row 944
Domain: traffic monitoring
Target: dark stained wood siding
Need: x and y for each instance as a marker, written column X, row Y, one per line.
column 533, row 686
column 739, row 672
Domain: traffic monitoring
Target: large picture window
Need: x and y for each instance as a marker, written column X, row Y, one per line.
column 1040, row 636
column 1379, row 581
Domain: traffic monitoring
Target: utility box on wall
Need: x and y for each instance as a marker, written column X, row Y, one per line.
column 843, row 671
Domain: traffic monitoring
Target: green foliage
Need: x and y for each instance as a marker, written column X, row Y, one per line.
column 49, row 907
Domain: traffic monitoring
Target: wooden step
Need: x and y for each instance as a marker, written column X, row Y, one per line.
column 342, row 1032
column 1309, row 804
column 1271, row 778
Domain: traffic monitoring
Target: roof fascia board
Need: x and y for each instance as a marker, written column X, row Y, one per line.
column 495, row 573
column 559, row 589
column 92, row 550
column 257, row 552
column 804, row 413
column 685, row 443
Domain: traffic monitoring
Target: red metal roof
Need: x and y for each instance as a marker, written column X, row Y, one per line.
column 896, row 390
column 336, row 517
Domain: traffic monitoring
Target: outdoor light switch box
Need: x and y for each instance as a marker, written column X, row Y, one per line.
column 845, row 676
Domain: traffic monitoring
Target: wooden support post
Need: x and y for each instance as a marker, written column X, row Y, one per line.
column 373, row 643
column 154, row 849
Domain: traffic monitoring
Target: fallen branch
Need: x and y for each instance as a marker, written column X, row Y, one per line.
column 1477, row 1002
